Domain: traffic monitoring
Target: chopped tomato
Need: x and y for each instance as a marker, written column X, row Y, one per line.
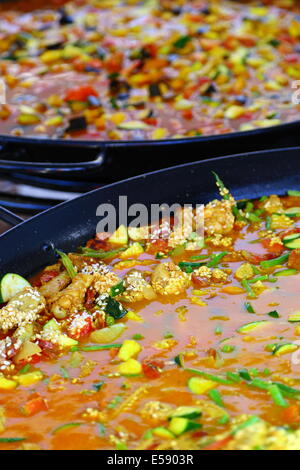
column 48, row 275
column 34, row 406
column 218, row 445
column 96, row 244
column 294, row 259
column 256, row 259
column 187, row 114
column 152, row 369
column 83, row 328
column 200, row 281
column 80, row 93
column 291, row 414
column 158, row 246
column 274, row 248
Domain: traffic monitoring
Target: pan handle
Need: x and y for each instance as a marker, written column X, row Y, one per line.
column 9, row 217
column 8, row 164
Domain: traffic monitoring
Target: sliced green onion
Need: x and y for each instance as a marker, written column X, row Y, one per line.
column 67, row 263
column 216, row 259
column 268, row 222
column 216, row 397
column 99, row 347
column 244, row 374
column 277, row 396
column 274, row 262
column 286, row 272
column 4, row 440
column 249, row 307
column 248, row 288
column 64, row 427
column 89, row 252
column 189, row 267
column 228, row 348
column 292, row 192
column 234, row 377
column 245, row 424
column 213, row 378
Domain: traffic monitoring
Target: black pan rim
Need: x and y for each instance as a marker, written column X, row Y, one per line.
column 103, row 144
column 258, row 154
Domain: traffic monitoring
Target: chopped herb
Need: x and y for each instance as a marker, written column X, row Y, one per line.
column 67, row 264
column 223, row 190
column 137, row 336
column 273, row 314
column 294, row 193
column 233, row 377
column 98, row 385
column 168, row 334
column 24, row 369
column 101, row 429
column 268, row 222
column 286, row 272
column 224, row 419
column 245, row 424
column 189, row 267
column 179, row 360
column 117, row 289
column 228, row 348
column 115, row 401
column 64, row 373
column 244, row 374
column 115, row 309
column 181, row 42
column 218, row 330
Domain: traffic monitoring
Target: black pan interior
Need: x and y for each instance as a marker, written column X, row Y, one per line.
column 26, row 248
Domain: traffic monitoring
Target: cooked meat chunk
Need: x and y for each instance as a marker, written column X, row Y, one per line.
column 155, row 412
column 167, row 278
column 273, row 204
column 55, row 285
column 136, row 287
column 218, row 217
column 72, row 297
column 24, row 307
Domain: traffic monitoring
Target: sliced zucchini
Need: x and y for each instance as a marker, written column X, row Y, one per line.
column 189, row 412
column 163, row 433
column 284, row 349
column 292, row 212
column 179, row 426
column 252, row 326
column 10, row 285
column 199, row 386
column 289, row 238
column 294, row 317
column 292, row 244
column 286, row 272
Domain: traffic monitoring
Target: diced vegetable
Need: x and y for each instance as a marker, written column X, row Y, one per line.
column 179, row 426
column 199, row 385
column 129, row 349
column 294, row 317
column 120, row 236
column 106, row 335
column 31, row 378
column 163, row 433
column 189, row 412
column 130, row 367
column 274, row 262
column 252, row 326
column 7, row 384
